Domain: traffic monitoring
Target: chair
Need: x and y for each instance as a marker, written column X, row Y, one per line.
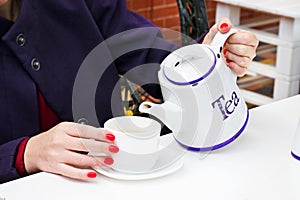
column 193, row 23
column 193, row 19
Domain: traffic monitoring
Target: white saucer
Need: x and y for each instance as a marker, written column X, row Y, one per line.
column 165, row 164
column 109, row 172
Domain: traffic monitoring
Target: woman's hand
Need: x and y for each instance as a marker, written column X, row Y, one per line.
column 240, row 48
column 63, row 150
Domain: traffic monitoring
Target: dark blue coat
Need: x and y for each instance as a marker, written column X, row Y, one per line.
column 44, row 49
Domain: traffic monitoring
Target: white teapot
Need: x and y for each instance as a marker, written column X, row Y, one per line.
column 202, row 105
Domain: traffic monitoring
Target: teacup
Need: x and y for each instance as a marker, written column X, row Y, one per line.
column 138, row 141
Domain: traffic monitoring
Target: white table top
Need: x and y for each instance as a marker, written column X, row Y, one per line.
column 288, row 8
column 258, row 165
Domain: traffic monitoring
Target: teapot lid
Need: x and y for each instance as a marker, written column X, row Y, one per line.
column 189, row 64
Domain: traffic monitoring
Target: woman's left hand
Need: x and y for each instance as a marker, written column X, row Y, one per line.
column 239, row 49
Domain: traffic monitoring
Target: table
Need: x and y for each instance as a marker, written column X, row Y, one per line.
column 258, row 165
column 286, row 73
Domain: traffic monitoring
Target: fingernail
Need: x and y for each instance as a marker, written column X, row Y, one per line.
column 225, row 52
column 108, row 161
column 227, row 60
column 113, row 149
column 92, row 175
column 224, row 26
column 110, row 137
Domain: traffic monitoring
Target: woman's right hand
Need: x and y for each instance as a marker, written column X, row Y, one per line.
column 63, row 150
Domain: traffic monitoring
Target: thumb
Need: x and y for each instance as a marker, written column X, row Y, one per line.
column 210, row 35
column 224, row 25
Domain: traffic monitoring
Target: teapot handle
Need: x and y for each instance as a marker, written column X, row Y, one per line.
column 218, row 43
column 220, row 39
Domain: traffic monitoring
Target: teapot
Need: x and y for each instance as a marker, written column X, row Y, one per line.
column 203, row 105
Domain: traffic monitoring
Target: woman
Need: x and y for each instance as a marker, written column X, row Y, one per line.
column 42, row 46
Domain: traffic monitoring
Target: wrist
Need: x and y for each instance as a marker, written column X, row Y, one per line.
column 19, row 160
column 30, row 154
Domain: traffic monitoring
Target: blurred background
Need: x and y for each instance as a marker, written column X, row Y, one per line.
column 167, row 14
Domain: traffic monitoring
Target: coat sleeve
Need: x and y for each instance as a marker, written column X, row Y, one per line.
column 133, row 41
column 8, row 153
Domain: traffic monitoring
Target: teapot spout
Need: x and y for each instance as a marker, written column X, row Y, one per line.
column 169, row 113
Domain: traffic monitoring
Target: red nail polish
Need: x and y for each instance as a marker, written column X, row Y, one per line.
column 227, row 60
column 113, row 149
column 225, row 52
column 108, row 161
column 110, row 137
column 91, row 174
column 224, row 26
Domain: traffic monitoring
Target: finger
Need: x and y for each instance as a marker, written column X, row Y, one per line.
column 245, row 38
column 240, row 50
column 89, row 132
column 210, row 35
column 224, row 25
column 238, row 70
column 75, row 173
column 90, row 145
column 242, row 61
column 83, row 160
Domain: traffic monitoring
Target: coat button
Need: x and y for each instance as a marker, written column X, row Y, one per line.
column 82, row 121
column 35, row 64
column 20, row 40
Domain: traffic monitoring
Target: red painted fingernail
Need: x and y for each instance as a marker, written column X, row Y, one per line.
column 108, row 161
column 225, row 52
column 110, row 137
column 224, row 26
column 113, row 149
column 92, row 174
column 227, row 60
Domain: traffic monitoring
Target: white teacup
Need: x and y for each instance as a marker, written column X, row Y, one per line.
column 138, row 141
column 296, row 142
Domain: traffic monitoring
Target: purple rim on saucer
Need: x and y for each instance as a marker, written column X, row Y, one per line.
column 295, row 156
column 218, row 146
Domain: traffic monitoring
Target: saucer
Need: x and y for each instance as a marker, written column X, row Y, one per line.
column 109, row 172
column 168, row 160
